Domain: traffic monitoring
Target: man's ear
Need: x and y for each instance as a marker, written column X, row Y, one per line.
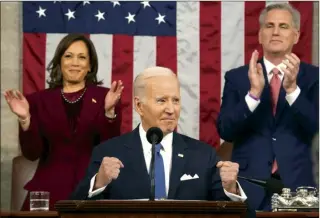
column 138, row 105
column 297, row 36
column 260, row 37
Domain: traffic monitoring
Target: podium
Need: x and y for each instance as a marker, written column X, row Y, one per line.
column 150, row 209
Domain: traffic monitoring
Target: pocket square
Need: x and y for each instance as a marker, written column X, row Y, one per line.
column 188, row 177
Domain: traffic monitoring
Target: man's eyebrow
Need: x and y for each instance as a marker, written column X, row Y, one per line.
column 283, row 23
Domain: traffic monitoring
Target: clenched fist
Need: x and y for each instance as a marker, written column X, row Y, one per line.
column 229, row 174
column 109, row 170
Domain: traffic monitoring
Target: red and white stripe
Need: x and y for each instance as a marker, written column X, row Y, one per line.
column 212, row 37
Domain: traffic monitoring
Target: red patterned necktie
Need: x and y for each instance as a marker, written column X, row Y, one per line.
column 275, row 85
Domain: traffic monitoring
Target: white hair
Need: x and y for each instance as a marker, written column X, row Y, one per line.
column 140, row 82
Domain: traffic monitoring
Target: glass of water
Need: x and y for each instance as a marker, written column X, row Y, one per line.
column 39, row 201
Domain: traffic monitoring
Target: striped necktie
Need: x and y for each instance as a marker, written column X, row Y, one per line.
column 275, row 85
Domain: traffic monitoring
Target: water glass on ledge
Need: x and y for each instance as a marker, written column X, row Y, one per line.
column 39, row 201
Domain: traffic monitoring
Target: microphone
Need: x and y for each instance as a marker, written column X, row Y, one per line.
column 154, row 136
column 271, row 185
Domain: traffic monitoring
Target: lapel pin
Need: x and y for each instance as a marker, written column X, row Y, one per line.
column 180, row 155
column 94, row 100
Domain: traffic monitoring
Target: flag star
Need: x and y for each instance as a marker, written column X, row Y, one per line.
column 86, row 2
column 160, row 18
column 130, row 17
column 70, row 14
column 145, row 4
column 115, row 3
column 100, row 15
column 41, row 11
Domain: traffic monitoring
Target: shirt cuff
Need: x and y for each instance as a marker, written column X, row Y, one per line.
column 234, row 197
column 95, row 192
column 252, row 103
column 292, row 97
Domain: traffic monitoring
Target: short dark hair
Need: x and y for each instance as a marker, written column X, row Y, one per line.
column 54, row 67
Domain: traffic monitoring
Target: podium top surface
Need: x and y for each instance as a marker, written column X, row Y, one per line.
column 163, row 206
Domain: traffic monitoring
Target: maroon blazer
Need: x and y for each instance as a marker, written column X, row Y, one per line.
column 64, row 156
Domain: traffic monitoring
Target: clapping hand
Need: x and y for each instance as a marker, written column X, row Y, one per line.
column 256, row 76
column 17, row 103
column 291, row 70
column 113, row 96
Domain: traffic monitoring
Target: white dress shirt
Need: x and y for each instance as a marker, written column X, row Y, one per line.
column 253, row 104
column 166, row 153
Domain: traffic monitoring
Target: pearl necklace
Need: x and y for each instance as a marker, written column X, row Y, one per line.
column 73, row 102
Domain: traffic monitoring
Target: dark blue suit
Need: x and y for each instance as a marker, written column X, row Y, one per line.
column 133, row 181
column 259, row 137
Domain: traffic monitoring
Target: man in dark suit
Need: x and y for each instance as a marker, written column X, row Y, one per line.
column 270, row 109
column 185, row 168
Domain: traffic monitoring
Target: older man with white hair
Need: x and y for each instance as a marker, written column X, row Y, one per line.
column 185, row 168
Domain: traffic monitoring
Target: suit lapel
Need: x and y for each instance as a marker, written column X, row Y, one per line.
column 56, row 111
column 91, row 104
column 265, row 74
column 281, row 103
column 136, row 161
column 179, row 156
column 265, row 96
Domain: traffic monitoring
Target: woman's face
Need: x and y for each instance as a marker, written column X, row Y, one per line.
column 75, row 63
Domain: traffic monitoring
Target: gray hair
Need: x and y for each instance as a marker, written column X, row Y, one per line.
column 282, row 6
column 140, row 83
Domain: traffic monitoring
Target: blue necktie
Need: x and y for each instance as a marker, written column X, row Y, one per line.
column 160, row 185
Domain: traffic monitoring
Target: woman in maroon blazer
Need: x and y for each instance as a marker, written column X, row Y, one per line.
column 61, row 125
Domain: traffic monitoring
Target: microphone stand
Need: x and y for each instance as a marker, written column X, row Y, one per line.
column 255, row 181
column 152, row 165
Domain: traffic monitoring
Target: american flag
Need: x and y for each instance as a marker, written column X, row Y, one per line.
column 199, row 41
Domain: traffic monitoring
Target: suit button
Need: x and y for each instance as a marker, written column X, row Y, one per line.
column 274, row 139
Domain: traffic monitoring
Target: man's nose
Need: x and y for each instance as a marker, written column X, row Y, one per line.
column 276, row 30
column 169, row 107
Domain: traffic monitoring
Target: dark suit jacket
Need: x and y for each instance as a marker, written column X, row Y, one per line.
column 64, row 154
column 134, row 181
column 259, row 137
column 315, row 158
